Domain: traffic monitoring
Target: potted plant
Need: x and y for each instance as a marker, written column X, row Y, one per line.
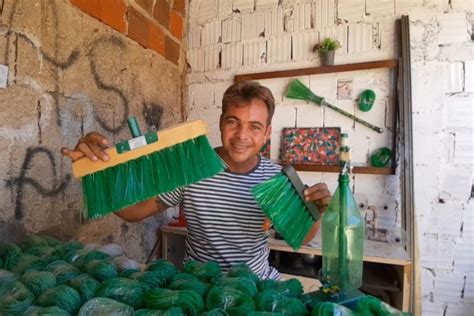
column 326, row 50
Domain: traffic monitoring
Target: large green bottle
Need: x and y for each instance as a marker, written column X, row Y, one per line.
column 343, row 239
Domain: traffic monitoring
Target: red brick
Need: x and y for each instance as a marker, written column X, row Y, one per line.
column 171, row 50
column 176, row 24
column 90, row 7
column 161, row 12
column 146, row 4
column 180, row 6
column 114, row 14
column 156, row 39
column 137, row 27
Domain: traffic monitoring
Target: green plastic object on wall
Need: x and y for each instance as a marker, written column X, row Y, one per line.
column 343, row 240
column 381, row 157
column 366, row 100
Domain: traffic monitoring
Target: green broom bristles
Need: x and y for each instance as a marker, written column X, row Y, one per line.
column 282, row 204
column 297, row 90
column 140, row 179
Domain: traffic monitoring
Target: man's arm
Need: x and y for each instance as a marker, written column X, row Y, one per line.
column 93, row 147
column 320, row 195
column 139, row 211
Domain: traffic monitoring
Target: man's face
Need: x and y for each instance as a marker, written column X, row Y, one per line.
column 244, row 130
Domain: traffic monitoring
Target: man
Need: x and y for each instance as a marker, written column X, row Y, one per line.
column 224, row 221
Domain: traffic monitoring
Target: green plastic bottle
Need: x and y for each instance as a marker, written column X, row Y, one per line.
column 343, row 239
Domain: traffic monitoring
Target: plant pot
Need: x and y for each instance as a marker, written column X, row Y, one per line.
column 327, row 58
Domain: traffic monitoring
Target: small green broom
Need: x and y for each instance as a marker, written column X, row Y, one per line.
column 297, row 90
column 145, row 166
column 282, row 201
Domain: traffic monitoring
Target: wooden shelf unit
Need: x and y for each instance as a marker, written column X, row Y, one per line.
column 387, row 63
column 359, row 170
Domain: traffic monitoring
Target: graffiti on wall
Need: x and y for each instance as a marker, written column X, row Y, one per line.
column 151, row 111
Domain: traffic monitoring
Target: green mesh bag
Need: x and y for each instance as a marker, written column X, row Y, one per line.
column 80, row 258
column 33, row 241
column 45, row 311
column 190, row 301
column 28, row 262
column 229, row 299
column 291, row 287
column 38, row 281
column 68, row 249
column 372, row 306
column 151, row 278
column 105, row 306
column 260, row 313
column 7, row 276
column 215, row 312
column 43, row 252
column 186, row 281
column 172, row 311
column 243, row 284
column 127, row 273
column 242, row 270
column 165, row 267
column 85, row 284
column 11, row 254
column 101, row 269
column 15, row 297
column 62, row 296
column 331, row 309
column 62, row 270
column 205, row 272
column 123, row 290
column 274, row 301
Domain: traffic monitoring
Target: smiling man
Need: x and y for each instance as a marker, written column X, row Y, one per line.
column 224, row 221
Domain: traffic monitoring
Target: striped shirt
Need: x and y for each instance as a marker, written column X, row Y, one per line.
column 224, row 221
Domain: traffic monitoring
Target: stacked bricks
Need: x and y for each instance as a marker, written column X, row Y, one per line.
column 154, row 24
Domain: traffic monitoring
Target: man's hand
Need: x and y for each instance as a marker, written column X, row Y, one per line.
column 319, row 194
column 92, row 146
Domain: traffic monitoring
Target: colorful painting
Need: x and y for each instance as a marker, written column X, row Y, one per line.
column 313, row 146
column 265, row 150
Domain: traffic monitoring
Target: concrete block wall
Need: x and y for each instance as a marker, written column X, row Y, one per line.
column 256, row 36
column 443, row 117
column 71, row 73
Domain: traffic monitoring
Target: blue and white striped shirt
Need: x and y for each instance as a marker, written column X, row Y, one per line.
column 224, row 221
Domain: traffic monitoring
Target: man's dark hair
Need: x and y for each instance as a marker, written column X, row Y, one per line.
column 246, row 91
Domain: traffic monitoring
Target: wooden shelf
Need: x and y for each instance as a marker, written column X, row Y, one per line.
column 388, row 63
column 359, row 170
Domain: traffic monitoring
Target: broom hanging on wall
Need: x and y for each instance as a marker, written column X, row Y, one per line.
column 145, row 166
column 297, row 90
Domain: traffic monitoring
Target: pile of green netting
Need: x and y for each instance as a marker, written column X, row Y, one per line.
column 45, row 276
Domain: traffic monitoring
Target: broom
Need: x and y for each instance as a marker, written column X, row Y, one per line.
column 297, row 90
column 145, row 166
column 282, row 201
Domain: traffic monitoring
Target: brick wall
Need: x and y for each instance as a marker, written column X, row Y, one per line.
column 154, row 24
column 226, row 38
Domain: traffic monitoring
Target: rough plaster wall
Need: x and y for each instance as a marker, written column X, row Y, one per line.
column 70, row 74
column 226, row 38
column 442, row 48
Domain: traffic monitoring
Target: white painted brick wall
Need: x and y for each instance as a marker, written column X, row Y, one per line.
column 454, row 28
column 469, row 76
column 351, row 10
column 324, row 14
column 443, row 87
column 211, row 33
